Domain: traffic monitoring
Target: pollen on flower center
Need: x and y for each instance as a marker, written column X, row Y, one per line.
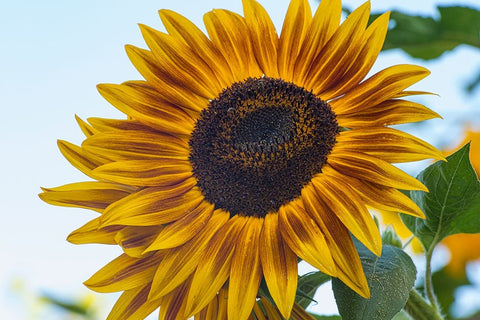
column 258, row 143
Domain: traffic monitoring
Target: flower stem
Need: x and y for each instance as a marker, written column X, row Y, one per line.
column 419, row 309
column 428, row 281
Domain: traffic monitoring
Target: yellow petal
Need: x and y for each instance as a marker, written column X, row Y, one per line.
column 79, row 158
column 153, row 206
column 347, row 204
column 271, row 312
column 106, row 125
column 324, row 24
column 386, row 113
column 279, row 264
column 214, row 265
column 365, row 167
column 344, row 254
column 264, row 37
column 90, row 195
column 87, row 129
column 182, row 230
column 133, row 305
column 173, row 305
column 145, row 104
column 304, row 237
column 246, row 271
column 163, row 171
column 144, row 62
column 367, row 53
column 92, row 233
column 258, row 312
column 384, row 198
column 387, row 144
column 339, row 52
column 134, row 240
column 136, row 145
column 180, row 63
column 229, row 33
column 298, row 313
column 382, row 86
column 124, row 273
column 180, row 27
column 295, row 26
column 179, row 263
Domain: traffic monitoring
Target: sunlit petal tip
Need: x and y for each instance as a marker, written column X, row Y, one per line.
column 195, row 184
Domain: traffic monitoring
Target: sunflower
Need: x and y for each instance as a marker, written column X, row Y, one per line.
column 243, row 151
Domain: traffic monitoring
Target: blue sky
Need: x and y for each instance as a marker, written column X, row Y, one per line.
column 53, row 55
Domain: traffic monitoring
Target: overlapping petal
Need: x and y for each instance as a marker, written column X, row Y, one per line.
column 182, row 251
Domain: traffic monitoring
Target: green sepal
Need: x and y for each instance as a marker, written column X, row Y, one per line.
column 308, row 285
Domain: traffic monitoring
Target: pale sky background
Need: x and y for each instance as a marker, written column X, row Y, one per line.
column 53, row 53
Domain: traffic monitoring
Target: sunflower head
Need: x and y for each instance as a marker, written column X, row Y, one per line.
column 255, row 136
column 243, row 150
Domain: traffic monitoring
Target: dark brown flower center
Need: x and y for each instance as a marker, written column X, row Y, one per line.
column 258, row 143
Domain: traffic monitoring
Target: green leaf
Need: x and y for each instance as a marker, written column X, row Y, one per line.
column 428, row 38
column 452, row 204
column 390, row 278
column 308, row 285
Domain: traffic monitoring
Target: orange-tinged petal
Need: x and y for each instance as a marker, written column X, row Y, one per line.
column 173, row 305
column 133, row 305
column 180, row 27
column 124, row 125
column 365, row 167
column 271, row 312
column 144, row 62
column 92, row 195
column 86, row 128
column 163, row 171
column 382, row 86
column 79, row 158
column 179, row 263
column 180, row 64
column 338, row 53
column 258, row 312
column 305, row 238
column 134, row 240
column 279, row 264
column 344, row 254
column 295, row 26
column 136, row 145
column 92, row 233
column 264, row 37
column 347, row 205
column 182, row 230
column 324, row 24
column 298, row 313
column 367, row 53
column 214, row 265
column 384, row 198
column 245, row 271
column 229, row 32
column 153, row 206
column 145, row 104
column 124, row 273
column 389, row 112
column 387, row 144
